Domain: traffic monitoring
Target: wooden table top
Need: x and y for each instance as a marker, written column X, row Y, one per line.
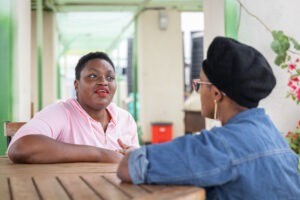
column 85, row 181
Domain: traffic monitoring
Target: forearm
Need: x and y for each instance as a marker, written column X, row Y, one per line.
column 41, row 149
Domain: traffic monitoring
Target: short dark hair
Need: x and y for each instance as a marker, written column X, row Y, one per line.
column 92, row 55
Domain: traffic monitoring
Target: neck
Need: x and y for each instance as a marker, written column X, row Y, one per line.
column 100, row 116
column 229, row 109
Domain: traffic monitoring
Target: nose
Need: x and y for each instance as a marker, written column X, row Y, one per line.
column 101, row 80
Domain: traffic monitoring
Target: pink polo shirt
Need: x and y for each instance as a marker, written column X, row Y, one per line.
column 67, row 122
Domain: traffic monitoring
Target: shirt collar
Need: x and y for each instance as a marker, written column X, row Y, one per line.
column 111, row 108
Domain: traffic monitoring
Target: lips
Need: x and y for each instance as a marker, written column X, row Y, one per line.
column 102, row 91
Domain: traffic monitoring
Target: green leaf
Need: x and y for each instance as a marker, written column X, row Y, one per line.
column 284, row 66
column 293, row 146
column 280, row 59
column 275, row 34
column 295, row 43
column 294, row 75
column 276, row 47
column 298, row 71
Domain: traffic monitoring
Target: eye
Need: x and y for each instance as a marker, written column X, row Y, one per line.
column 110, row 78
column 93, row 76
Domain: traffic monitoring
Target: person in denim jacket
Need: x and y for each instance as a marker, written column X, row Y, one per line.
column 245, row 158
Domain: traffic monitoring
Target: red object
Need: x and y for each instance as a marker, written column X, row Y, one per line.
column 161, row 132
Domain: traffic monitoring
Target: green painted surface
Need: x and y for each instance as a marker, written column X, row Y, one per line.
column 58, row 82
column 5, row 68
column 231, row 18
column 135, row 76
column 40, row 52
column 40, row 79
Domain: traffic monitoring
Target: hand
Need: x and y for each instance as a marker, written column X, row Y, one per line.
column 125, row 149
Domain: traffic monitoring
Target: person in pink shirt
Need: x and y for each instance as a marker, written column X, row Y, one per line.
column 88, row 128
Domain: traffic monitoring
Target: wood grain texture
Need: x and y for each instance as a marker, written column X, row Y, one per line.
column 77, row 181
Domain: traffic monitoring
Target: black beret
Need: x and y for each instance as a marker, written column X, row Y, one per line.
column 240, row 71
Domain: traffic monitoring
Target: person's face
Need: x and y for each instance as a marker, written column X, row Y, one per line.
column 96, row 86
column 207, row 101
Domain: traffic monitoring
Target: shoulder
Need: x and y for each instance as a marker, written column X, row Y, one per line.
column 57, row 109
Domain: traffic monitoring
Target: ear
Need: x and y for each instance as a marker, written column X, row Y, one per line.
column 216, row 93
column 76, row 84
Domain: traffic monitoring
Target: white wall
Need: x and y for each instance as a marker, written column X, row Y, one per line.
column 278, row 15
column 160, row 72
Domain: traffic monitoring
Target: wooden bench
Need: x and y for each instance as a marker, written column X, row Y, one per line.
column 10, row 128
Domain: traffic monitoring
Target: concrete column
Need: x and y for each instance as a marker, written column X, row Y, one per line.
column 160, row 71
column 49, row 64
column 214, row 26
column 213, row 21
column 21, row 60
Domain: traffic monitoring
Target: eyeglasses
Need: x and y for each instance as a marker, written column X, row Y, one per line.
column 197, row 82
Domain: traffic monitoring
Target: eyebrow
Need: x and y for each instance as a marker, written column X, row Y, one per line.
column 96, row 70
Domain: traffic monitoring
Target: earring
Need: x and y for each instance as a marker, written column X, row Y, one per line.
column 216, row 109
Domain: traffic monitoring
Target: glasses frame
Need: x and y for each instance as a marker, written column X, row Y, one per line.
column 197, row 82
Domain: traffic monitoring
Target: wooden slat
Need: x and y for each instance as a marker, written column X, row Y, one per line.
column 153, row 188
column 176, row 193
column 50, row 188
column 130, row 189
column 4, row 188
column 105, row 188
column 9, row 168
column 77, row 189
column 23, row 188
column 10, row 128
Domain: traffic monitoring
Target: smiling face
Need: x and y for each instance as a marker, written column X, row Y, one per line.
column 96, row 85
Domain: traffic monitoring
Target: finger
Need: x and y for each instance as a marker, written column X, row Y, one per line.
column 122, row 145
column 122, row 152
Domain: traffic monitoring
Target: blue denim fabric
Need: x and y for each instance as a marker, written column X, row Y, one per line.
column 247, row 158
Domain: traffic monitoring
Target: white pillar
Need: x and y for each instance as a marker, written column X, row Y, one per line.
column 213, row 21
column 21, row 60
column 160, row 71
column 48, row 58
column 214, row 24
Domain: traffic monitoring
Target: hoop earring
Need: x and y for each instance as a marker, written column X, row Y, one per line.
column 215, row 109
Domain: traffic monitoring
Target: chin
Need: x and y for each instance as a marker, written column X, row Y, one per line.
column 102, row 104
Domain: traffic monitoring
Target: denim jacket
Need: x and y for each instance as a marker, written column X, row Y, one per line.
column 247, row 158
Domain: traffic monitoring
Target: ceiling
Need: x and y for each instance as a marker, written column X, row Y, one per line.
column 89, row 25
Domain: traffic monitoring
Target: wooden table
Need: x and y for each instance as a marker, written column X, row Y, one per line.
column 86, row 181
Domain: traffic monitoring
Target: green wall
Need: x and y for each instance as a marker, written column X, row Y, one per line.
column 6, row 45
column 231, row 18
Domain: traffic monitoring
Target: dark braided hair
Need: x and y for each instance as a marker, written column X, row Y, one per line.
column 92, row 55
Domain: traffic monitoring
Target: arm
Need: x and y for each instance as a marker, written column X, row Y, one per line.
column 42, row 149
column 187, row 160
column 133, row 167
